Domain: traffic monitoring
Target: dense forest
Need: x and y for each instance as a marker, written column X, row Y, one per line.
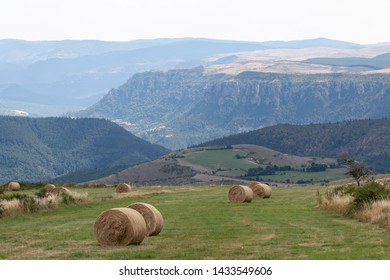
column 44, row 148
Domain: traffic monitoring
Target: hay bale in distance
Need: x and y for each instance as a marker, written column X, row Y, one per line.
column 120, row 227
column 123, row 188
column 240, row 193
column 13, row 186
column 261, row 190
column 59, row 190
column 49, row 187
column 153, row 218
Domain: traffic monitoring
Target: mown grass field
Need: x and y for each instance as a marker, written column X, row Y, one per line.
column 199, row 223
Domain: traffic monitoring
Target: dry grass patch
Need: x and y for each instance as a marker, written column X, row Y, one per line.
column 11, row 207
column 377, row 212
column 369, row 203
column 339, row 204
column 16, row 204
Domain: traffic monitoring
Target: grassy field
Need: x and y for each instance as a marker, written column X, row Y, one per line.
column 330, row 174
column 199, row 223
column 233, row 163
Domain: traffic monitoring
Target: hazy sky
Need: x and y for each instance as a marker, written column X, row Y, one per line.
column 358, row 21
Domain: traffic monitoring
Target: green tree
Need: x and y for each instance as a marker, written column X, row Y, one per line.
column 357, row 169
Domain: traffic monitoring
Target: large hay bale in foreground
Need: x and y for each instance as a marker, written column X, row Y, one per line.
column 59, row 190
column 240, row 193
column 13, row 186
column 49, row 187
column 119, row 227
column 123, row 188
column 153, row 218
column 261, row 190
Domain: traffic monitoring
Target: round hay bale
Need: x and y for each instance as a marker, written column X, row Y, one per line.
column 240, row 193
column 123, row 188
column 13, row 186
column 153, row 218
column 261, row 190
column 49, row 187
column 119, row 227
column 59, row 190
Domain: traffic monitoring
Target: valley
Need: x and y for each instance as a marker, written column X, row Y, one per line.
column 265, row 110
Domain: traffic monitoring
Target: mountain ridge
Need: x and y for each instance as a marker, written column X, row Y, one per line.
column 36, row 149
column 181, row 108
column 70, row 75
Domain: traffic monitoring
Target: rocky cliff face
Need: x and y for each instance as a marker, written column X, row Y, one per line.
column 179, row 108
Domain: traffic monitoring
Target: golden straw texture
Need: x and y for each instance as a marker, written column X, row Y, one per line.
column 58, row 190
column 240, row 193
column 49, row 187
column 153, row 218
column 13, row 186
column 123, row 188
column 261, row 190
column 119, row 227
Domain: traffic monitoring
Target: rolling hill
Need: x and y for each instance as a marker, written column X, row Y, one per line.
column 226, row 164
column 284, row 153
column 37, row 149
column 367, row 140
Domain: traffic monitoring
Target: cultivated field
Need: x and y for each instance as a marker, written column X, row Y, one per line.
column 199, row 223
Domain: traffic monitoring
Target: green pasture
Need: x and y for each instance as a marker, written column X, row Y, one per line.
column 231, row 163
column 331, row 174
column 199, row 223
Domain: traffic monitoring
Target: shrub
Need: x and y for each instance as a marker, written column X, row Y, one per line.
column 348, row 190
column 370, row 193
column 67, row 198
column 17, row 203
column 41, row 193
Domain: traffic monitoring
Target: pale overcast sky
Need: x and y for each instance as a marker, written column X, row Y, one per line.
column 358, row 21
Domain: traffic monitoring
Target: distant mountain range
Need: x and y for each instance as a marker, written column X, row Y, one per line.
column 181, row 108
column 54, row 77
column 50, row 78
column 38, row 149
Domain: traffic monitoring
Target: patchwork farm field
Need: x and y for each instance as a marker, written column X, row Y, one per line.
column 199, row 224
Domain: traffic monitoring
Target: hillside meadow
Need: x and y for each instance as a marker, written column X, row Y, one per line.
column 199, row 223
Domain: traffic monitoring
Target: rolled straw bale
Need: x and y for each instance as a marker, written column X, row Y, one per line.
column 49, row 187
column 153, row 218
column 240, row 193
column 59, row 190
column 123, row 188
column 261, row 190
column 13, row 186
column 119, row 226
